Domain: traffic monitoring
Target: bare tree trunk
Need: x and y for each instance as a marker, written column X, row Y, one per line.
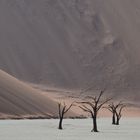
column 118, row 121
column 60, row 123
column 113, row 119
column 118, row 114
column 94, row 124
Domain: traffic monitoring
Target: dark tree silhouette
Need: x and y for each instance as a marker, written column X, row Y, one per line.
column 63, row 109
column 116, row 110
column 92, row 106
column 112, row 108
column 119, row 113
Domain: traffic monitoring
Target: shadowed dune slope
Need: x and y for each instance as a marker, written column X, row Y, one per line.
column 18, row 99
column 72, row 43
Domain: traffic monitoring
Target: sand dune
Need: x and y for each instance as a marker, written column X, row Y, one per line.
column 73, row 43
column 17, row 99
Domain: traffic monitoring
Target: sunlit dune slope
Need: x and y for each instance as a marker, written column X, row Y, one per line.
column 19, row 99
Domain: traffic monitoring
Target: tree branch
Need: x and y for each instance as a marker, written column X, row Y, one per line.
column 88, row 103
column 107, row 100
column 68, row 108
column 85, row 109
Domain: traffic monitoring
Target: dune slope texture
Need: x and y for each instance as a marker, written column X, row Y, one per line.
column 19, row 100
column 72, row 43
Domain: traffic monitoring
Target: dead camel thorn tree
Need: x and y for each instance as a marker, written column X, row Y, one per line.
column 119, row 114
column 63, row 109
column 112, row 108
column 116, row 110
column 92, row 106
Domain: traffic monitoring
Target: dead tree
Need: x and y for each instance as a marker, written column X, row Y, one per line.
column 113, row 109
column 118, row 113
column 92, row 106
column 63, row 109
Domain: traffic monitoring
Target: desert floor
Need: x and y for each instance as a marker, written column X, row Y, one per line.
column 73, row 129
